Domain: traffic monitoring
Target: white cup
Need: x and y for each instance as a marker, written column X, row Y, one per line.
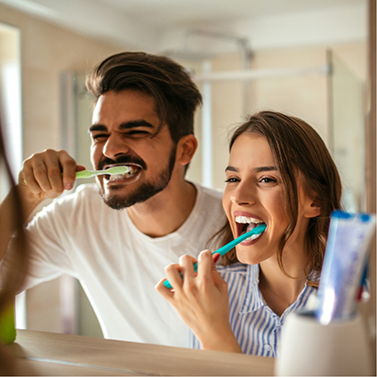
column 308, row 348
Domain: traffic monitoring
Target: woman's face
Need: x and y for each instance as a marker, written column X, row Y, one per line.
column 253, row 195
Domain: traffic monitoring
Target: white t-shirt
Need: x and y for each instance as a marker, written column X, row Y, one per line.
column 116, row 264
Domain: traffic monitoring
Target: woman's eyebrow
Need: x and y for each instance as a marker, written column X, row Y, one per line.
column 265, row 168
column 256, row 170
column 231, row 168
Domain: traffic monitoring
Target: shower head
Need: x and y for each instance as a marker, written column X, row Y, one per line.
column 200, row 45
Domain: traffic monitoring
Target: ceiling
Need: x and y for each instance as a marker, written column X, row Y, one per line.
column 163, row 13
column 146, row 24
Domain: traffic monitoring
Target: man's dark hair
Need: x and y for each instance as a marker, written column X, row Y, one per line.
column 170, row 84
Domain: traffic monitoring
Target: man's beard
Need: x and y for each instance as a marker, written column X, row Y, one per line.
column 144, row 192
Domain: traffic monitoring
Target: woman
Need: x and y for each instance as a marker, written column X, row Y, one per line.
column 280, row 173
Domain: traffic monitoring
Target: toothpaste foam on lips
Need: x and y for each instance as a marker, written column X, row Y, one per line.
column 344, row 262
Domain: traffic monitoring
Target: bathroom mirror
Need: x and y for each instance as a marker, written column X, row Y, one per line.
column 306, row 58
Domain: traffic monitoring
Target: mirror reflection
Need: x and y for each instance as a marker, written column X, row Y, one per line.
column 305, row 59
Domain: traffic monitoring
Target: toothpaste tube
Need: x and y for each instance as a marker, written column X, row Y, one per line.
column 344, row 262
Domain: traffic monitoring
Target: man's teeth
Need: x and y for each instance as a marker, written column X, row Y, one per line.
column 117, row 176
column 128, row 174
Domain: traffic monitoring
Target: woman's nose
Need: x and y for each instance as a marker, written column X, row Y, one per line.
column 243, row 195
column 114, row 147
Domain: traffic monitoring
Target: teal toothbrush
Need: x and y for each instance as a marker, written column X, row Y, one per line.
column 113, row 170
column 229, row 246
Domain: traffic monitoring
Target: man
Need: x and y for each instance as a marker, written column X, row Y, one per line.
column 143, row 118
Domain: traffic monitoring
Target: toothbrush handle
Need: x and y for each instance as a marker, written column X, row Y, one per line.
column 229, row 246
column 84, row 174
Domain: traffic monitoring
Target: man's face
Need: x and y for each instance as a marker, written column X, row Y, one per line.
column 123, row 132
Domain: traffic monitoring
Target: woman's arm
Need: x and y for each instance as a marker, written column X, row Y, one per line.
column 201, row 300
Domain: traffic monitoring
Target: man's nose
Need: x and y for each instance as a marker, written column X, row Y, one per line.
column 115, row 147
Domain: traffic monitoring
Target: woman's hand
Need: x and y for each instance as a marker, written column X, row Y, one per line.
column 201, row 300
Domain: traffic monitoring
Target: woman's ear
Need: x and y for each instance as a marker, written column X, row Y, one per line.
column 312, row 207
column 186, row 148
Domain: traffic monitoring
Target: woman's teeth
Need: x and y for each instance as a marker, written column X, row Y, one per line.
column 246, row 224
column 253, row 237
column 247, row 220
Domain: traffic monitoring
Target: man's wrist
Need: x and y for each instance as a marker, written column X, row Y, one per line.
column 29, row 201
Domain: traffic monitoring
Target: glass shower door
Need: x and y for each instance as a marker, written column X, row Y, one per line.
column 347, row 135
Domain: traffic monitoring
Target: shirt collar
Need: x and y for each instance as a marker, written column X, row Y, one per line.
column 253, row 299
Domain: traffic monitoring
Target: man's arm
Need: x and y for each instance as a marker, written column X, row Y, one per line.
column 43, row 176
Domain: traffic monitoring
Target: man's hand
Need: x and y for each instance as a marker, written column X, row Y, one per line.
column 46, row 175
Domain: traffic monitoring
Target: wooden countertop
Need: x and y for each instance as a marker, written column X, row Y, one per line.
column 42, row 353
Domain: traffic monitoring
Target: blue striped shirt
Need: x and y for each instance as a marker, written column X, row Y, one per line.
column 255, row 325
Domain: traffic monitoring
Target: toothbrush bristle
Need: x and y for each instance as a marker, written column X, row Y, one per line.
column 119, row 170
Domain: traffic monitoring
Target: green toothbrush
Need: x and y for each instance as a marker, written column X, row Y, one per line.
column 113, row 170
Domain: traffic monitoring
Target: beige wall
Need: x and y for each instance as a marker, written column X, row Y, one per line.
column 47, row 50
